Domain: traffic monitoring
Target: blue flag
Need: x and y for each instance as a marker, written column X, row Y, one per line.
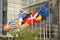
column 44, row 10
column 12, row 23
column 21, row 15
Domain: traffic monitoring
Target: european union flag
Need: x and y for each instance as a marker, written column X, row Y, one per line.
column 44, row 10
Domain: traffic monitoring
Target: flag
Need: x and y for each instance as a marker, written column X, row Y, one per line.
column 39, row 18
column 33, row 18
column 22, row 15
column 30, row 19
column 17, row 23
column 24, row 25
column 20, row 21
column 44, row 10
column 8, row 27
column 3, row 26
column 12, row 23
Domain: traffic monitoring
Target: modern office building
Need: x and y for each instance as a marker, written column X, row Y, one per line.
column 10, row 9
column 1, row 5
column 3, row 14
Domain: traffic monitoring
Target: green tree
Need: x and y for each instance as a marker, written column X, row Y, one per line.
column 26, row 34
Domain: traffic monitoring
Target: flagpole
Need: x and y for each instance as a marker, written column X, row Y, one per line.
column 44, row 29
column 40, row 30
column 49, row 24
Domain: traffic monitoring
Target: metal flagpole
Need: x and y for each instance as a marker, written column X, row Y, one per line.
column 49, row 24
column 43, row 29
column 40, row 30
column 46, row 23
column 46, row 29
column 43, row 24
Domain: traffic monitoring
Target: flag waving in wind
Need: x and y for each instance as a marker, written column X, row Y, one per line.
column 30, row 19
column 33, row 17
column 44, row 10
column 12, row 23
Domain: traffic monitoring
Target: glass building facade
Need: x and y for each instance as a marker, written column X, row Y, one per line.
column 1, row 17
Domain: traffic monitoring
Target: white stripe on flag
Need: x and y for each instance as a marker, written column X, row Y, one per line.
column 12, row 22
